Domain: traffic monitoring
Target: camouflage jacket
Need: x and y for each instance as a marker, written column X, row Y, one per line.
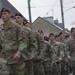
column 12, row 40
column 58, row 51
column 46, row 51
column 71, row 48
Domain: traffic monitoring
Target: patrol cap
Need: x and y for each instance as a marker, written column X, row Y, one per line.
column 72, row 29
column 18, row 14
column 51, row 34
column 40, row 31
column 5, row 10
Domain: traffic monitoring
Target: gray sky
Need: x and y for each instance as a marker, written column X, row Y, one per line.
column 45, row 8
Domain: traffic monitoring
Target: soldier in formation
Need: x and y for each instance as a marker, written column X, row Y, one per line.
column 26, row 52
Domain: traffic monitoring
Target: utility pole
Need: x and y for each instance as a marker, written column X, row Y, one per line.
column 62, row 15
column 29, row 10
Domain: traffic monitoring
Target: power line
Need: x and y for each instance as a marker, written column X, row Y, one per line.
column 44, row 2
column 52, row 7
column 69, row 8
column 44, row 6
column 69, row 3
column 70, row 15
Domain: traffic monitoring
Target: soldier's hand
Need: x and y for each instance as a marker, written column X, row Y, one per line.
column 17, row 56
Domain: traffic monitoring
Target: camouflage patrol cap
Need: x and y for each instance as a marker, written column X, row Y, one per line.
column 72, row 29
column 51, row 34
column 4, row 10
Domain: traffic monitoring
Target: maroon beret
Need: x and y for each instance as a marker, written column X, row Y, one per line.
column 25, row 22
column 72, row 29
column 18, row 14
column 5, row 10
column 66, row 36
column 51, row 34
column 60, row 33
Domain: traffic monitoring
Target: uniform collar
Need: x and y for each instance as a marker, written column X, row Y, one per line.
column 8, row 26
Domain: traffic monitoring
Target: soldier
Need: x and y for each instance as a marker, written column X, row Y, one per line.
column 37, row 64
column 67, row 37
column 58, row 54
column 64, row 64
column 46, row 38
column 45, row 55
column 30, row 52
column 22, row 22
column 57, row 38
column 71, row 49
column 26, row 23
column 62, row 37
column 14, row 43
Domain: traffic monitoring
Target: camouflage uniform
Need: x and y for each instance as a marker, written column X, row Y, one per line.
column 46, row 55
column 12, row 40
column 58, row 54
column 37, row 64
column 64, row 62
column 71, row 50
column 29, row 52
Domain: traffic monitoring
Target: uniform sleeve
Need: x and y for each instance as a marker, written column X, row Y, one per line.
column 0, row 44
column 32, row 43
column 67, row 51
column 22, row 39
column 61, row 50
column 53, row 55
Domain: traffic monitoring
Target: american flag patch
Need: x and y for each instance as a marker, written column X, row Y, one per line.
column 24, row 33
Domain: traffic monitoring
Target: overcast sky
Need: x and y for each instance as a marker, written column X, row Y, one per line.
column 46, row 8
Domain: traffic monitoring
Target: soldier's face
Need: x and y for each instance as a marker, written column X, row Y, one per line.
column 27, row 25
column 5, row 16
column 62, row 36
column 57, row 39
column 52, row 38
column 19, row 20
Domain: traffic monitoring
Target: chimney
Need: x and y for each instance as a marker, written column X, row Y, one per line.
column 56, row 22
column 49, row 19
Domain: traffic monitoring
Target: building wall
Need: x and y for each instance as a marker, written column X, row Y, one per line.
column 46, row 27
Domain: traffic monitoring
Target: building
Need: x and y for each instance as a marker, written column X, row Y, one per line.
column 48, row 25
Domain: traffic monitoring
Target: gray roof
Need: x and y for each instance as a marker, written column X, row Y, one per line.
column 7, row 4
column 52, row 23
